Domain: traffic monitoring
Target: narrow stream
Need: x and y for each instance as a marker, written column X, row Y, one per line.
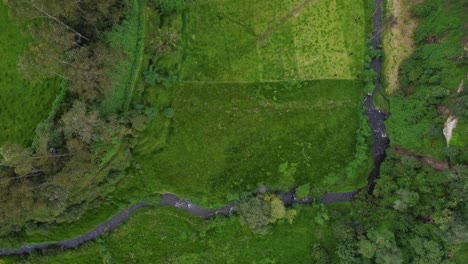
column 376, row 118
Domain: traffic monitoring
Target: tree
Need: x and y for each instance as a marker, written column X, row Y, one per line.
column 18, row 158
column 367, row 248
column 78, row 123
column 319, row 255
column 87, row 76
column 54, row 196
column 47, row 52
column 381, row 244
column 406, row 199
column 290, row 215
column 347, row 252
column 256, row 214
column 389, row 256
column 426, row 251
column 54, row 10
column 278, row 211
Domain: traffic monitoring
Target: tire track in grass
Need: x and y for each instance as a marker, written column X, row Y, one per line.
column 273, row 28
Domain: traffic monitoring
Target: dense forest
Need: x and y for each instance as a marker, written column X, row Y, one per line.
column 108, row 64
column 82, row 148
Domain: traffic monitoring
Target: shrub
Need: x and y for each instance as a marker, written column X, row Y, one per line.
column 170, row 6
column 302, row 191
column 169, row 112
column 319, row 255
column 278, row 211
column 424, row 10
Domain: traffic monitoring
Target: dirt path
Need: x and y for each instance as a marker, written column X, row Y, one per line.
column 399, row 30
column 285, row 19
column 433, row 163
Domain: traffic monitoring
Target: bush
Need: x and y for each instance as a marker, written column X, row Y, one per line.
column 169, row 112
column 170, row 6
column 424, row 10
column 319, row 255
column 302, row 191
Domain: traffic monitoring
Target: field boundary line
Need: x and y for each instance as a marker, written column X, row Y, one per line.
column 267, row 81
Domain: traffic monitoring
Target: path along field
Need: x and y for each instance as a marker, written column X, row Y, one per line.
column 268, row 94
column 166, row 235
column 22, row 105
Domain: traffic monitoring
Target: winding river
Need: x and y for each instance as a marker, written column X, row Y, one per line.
column 376, row 120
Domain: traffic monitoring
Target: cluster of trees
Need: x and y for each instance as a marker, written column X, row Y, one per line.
column 416, row 215
column 67, row 42
column 79, row 152
column 430, row 77
column 257, row 212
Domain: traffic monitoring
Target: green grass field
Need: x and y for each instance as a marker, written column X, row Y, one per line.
column 22, row 105
column 261, row 84
column 251, row 41
column 239, row 117
column 228, row 138
column 165, row 235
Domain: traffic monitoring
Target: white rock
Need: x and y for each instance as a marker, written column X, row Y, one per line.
column 450, row 125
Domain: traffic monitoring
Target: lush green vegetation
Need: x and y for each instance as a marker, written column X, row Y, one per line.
column 22, row 104
column 430, row 78
column 251, row 41
column 82, row 147
column 212, row 100
column 163, row 235
column 401, row 223
column 234, row 113
column 229, row 138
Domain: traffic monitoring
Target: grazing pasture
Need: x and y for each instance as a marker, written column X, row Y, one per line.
column 166, row 235
column 252, row 41
column 229, row 138
column 22, row 104
column 268, row 93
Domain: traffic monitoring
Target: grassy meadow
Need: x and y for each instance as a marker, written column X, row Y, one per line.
column 22, row 104
column 268, row 93
column 166, row 235
column 228, row 138
column 251, row 41
column 261, row 85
